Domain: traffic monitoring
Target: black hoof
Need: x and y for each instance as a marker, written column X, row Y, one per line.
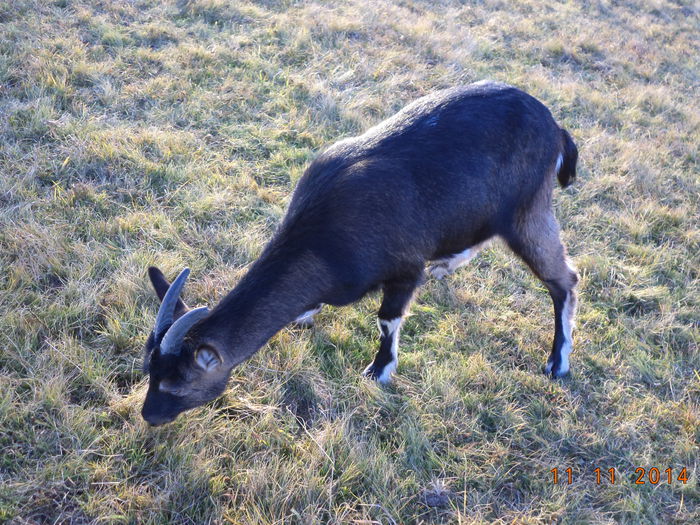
column 371, row 372
column 557, row 374
column 554, row 372
column 381, row 375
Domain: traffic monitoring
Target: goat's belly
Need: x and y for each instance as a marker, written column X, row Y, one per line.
column 349, row 293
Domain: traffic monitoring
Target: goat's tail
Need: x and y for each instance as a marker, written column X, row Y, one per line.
column 566, row 168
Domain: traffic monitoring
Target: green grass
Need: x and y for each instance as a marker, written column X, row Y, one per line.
column 172, row 133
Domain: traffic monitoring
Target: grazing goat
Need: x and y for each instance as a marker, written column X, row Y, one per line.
column 429, row 185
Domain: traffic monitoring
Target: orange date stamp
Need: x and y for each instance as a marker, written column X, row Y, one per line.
column 641, row 476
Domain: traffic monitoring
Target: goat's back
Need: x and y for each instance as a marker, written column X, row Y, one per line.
column 446, row 172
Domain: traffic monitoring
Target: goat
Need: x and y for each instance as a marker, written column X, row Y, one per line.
column 430, row 184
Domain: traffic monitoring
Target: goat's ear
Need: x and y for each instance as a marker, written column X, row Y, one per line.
column 207, row 358
column 161, row 285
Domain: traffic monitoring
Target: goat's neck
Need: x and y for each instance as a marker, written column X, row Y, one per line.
column 275, row 291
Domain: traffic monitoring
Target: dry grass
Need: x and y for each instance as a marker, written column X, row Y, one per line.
column 151, row 131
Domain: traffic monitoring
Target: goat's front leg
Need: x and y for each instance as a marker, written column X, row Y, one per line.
column 306, row 319
column 397, row 296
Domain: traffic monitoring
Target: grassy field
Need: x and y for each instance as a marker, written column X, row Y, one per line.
column 159, row 132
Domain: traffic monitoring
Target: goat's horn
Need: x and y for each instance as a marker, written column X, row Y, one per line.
column 164, row 319
column 176, row 333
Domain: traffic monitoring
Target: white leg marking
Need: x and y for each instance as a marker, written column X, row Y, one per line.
column 446, row 266
column 308, row 316
column 392, row 329
column 560, row 161
column 567, row 323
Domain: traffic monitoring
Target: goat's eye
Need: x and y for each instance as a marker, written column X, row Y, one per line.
column 168, row 387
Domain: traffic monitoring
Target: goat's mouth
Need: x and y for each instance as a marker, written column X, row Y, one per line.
column 156, row 420
column 154, row 424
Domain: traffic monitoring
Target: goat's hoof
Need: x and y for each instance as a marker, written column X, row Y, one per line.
column 559, row 374
column 439, row 270
column 554, row 373
column 381, row 375
column 371, row 372
column 304, row 324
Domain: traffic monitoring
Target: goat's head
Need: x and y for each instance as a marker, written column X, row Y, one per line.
column 185, row 371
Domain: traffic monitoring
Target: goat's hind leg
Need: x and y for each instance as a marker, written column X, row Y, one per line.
column 397, row 296
column 536, row 240
column 440, row 268
column 306, row 320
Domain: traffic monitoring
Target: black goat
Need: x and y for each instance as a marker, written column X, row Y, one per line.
column 432, row 183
